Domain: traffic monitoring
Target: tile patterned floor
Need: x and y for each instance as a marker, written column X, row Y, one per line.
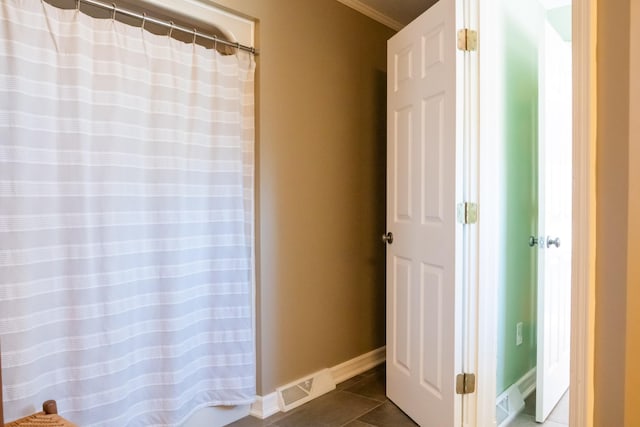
column 358, row 402
column 559, row 416
column 362, row 402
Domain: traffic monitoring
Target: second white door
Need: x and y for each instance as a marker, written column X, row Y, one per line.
column 554, row 255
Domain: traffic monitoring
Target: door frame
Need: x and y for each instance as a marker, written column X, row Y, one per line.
column 584, row 215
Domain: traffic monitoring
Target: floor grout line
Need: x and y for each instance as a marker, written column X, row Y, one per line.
column 363, row 414
column 366, row 397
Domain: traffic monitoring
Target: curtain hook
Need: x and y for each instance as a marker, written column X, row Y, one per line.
column 144, row 19
column 215, row 42
column 115, row 9
column 195, row 34
column 170, row 29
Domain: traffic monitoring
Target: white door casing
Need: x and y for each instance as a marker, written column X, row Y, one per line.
column 554, row 221
column 425, row 180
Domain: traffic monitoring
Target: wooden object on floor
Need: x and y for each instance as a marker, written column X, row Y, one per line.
column 41, row 420
column 47, row 418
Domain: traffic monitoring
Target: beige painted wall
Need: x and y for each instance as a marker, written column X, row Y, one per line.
column 321, row 151
column 632, row 386
column 321, row 185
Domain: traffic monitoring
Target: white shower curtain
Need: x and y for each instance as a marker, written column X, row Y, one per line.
column 126, row 201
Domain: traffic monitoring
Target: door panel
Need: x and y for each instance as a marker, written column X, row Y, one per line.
column 433, row 120
column 402, row 167
column 402, row 321
column 431, row 348
column 423, row 262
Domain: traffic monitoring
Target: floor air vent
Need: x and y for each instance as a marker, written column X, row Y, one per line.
column 508, row 405
column 295, row 394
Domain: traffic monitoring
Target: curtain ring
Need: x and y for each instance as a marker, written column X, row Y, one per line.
column 144, row 19
column 215, row 42
column 170, row 29
column 195, row 34
column 115, row 9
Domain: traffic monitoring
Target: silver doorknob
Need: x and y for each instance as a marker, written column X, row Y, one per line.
column 553, row 242
column 387, row 238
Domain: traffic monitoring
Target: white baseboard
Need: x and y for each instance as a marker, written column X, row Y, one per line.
column 527, row 384
column 265, row 406
column 514, row 397
column 358, row 365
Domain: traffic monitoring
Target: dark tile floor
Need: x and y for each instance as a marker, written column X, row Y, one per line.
column 358, row 402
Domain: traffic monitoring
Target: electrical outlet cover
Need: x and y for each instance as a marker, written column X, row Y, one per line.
column 519, row 333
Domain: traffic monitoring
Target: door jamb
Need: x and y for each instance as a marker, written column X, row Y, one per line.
column 584, row 215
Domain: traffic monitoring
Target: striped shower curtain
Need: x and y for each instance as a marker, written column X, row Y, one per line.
column 126, row 220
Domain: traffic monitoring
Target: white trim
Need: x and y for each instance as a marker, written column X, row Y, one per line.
column 470, row 333
column 524, row 386
column 584, row 202
column 583, row 256
column 372, row 13
column 490, row 217
column 358, row 365
column 265, row 406
column 527, row 384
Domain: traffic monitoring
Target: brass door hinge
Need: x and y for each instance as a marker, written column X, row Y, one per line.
column 465, row 383
column 467, row 40
column 467, row 213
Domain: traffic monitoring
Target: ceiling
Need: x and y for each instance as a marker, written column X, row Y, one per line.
column 393, row 13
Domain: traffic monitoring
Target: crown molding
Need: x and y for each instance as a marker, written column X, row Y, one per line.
column 372, row 13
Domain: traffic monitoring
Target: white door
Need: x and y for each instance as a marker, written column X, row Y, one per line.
column 424, row 183
column 554, row 254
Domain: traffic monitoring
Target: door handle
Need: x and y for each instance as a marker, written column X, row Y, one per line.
column 533, row 240
column 553, row 242
column 387, row 238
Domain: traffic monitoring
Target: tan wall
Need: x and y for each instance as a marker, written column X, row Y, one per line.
column 321, row 185
column 632, row 386
column 321, row 149
column 612, row 202
column 317, row 309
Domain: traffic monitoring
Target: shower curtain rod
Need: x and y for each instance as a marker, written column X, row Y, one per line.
column 170, row 25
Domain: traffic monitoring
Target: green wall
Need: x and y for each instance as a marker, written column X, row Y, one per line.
column 560, row 19
column 517, row 290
